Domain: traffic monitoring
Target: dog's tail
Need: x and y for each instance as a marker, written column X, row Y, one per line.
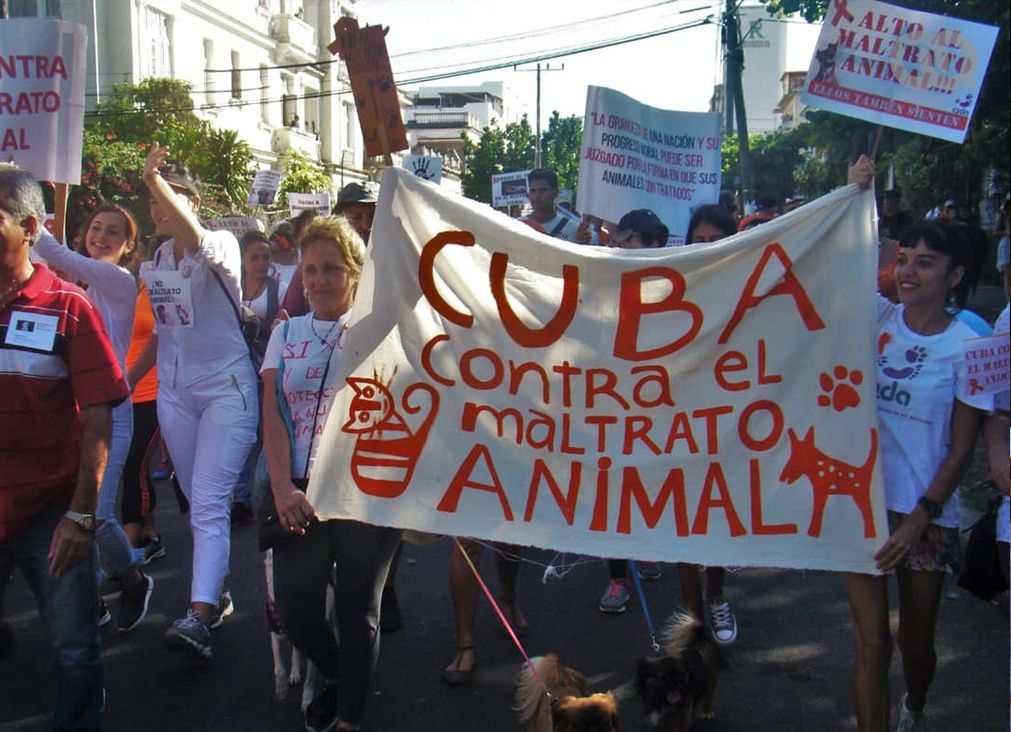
column 529, row 691
column 682, row 631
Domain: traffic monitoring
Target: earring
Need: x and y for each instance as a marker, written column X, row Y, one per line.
column 951, row 304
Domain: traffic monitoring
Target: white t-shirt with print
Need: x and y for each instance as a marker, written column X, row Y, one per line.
column 306, row 352
column 918, row 380
column 565, row 225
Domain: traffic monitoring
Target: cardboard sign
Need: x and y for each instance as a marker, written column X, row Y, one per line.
column 318, row 202
column 661, row 404
column 42, row 68
column 363, row 50
column 636, row 156
column 428, row 167
column 171, row 298
column 238, row 225
column 263, row 191
column 509, row 189
column 987, row 363
column 898, row 67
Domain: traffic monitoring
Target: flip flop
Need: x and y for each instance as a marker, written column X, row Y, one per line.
column 460, row 677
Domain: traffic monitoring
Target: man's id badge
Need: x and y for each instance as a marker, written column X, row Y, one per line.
column 32, row 330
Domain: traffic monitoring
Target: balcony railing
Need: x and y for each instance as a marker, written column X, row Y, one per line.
column 421, row 119
column 284, row 139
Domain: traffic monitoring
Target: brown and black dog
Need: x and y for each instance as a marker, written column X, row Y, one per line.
column 570, row 708
column 678, row 687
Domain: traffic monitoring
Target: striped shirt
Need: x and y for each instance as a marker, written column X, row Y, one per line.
column 44, row 383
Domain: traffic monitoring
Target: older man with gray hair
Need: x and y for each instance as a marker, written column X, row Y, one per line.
column 59, row 379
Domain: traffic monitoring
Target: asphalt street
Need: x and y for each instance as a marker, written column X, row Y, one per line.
column 789, row 669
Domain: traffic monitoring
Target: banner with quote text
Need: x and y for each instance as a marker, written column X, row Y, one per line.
column 711, row 403
column 42, row 67
column 637, row 156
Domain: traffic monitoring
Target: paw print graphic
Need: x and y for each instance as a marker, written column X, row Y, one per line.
column 838, row 388
column 915, row 357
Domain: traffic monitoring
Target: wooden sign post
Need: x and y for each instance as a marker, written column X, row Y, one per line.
column 363, row 50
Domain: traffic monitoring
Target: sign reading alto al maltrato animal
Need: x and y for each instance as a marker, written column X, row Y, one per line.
column 42, row 97
column 637, row 156
column 899, row 67
column 710, row 404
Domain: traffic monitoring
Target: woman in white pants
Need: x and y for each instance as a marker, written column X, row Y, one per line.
column 100, row 264
column 207, row 400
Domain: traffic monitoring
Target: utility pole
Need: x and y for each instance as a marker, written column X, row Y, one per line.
column 537, row 146
column 734, row 89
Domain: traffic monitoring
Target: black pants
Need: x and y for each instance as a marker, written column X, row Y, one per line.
column 138, row 493
column 301, row 570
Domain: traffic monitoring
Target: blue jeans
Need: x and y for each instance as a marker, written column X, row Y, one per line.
column 69, row 609
column 116, row 555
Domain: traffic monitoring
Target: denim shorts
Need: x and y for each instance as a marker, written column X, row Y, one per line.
column 938, row 549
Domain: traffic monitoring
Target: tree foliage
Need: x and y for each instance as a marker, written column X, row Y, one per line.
column 560, row 148
column 299, row 174
column 116, row 139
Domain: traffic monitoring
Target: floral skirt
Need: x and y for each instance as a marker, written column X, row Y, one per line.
column 938, row 549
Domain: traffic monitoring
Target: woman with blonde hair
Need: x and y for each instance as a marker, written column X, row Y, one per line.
column 298, row 373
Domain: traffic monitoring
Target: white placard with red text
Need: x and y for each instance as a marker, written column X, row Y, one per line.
column 675, row 404
column 318, row 202
column 637, row 156
column 987, row 361
column 42, row 67
column 898, row 67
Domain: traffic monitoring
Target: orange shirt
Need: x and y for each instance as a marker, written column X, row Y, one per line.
column 143, row 326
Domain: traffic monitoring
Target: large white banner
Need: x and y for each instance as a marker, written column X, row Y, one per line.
column 899, row 67
column 637, row 156
column 42, row 67
column 711, row 404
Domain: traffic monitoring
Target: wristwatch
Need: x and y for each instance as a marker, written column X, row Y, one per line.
column 85, row 520
column 934, row 509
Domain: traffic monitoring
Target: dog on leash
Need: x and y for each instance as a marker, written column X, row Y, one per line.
column 287, row 674
column 570, row 706
column 678, row 687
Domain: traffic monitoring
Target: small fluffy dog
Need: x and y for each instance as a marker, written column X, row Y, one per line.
column 287, row 675
column 571, row 707
column 678, row 687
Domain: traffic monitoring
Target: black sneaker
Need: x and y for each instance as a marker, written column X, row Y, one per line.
column 153, row 548
column 321, row 714
column 133, row 603
column 104, row 616
column 189, row 636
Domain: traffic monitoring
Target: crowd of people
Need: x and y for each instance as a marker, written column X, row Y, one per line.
column 139, row 354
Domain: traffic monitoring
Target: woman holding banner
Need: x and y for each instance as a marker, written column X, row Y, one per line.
column 102, row 264
column 928, row 417
column 298, row 373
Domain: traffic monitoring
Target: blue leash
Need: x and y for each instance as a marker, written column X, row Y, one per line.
column 633, row 569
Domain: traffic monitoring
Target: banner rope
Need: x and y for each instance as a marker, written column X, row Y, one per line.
column 502, row 618
column 552, row 569
column 633, row 569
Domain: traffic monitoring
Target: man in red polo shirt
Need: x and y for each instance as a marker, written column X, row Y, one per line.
column 59, row 380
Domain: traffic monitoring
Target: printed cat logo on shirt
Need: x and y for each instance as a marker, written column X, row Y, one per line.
column 914, row 357
column 387, row 449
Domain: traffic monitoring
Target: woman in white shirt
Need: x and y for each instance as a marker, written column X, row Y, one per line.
column 207, row 402
column 299, row 373
column 107, row 248
column 928, row 416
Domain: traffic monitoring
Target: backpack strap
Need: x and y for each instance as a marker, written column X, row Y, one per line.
column 559, row 226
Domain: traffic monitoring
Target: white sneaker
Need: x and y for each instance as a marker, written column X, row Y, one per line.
column 722, row 622
column 909, row 721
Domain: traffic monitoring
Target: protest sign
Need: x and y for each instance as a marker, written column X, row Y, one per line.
column 318, row 202
column 238, row 225
column 264, row 188
column 987, row 362
column 661, row 404
column 636, row 156
column 509, row 189
column 363, row 51
column 899, row 67
column 428, row 167
column 42, row 67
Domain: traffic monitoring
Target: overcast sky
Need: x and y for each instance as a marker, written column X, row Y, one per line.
column 673, row 71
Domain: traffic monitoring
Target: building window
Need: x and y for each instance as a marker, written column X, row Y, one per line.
column 289, row 103
column 311, row 123
column 264, row 94
column 349, row 124
column 156, row 49
column 236, row 76
column 208, row 74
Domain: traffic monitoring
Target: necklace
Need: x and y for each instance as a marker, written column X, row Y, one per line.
column 324, row 340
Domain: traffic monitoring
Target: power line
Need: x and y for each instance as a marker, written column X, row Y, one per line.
column 546, row 56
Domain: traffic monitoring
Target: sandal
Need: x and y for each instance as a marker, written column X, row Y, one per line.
column 459, row 676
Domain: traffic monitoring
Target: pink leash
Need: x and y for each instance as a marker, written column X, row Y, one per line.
column 502, row 617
